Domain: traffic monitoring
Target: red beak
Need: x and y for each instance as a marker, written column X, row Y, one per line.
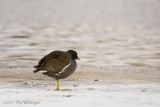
column 78, row 58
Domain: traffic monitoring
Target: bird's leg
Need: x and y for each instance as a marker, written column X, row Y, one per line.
column 58, row 84
column 58, row 89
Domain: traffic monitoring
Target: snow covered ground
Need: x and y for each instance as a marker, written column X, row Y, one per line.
column 91, row 87
column 99, row 94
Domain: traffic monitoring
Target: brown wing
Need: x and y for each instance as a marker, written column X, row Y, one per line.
column 40, row 62
column 54, row 61
column 43, row 60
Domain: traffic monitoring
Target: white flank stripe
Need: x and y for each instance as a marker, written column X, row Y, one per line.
column 64, row 68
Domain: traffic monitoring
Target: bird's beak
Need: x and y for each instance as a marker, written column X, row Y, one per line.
column 78, row 58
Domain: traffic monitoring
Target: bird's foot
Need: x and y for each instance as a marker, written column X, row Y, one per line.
column 62, row 90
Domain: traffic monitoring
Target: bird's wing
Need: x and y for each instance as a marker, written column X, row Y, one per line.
column 45, row 58
column 54, row 61
column 40, row 62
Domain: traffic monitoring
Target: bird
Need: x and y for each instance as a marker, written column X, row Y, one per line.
column 58, row 65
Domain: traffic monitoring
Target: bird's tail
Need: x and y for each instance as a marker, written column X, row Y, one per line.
column 35, row 71
column 45, row 73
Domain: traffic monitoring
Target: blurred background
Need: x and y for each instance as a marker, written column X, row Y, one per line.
column 103, row 32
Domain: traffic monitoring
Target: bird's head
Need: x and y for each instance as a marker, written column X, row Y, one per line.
column 73, row 54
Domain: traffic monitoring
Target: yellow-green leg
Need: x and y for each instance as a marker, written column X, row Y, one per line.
column 58, row 89
column 58, row 84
